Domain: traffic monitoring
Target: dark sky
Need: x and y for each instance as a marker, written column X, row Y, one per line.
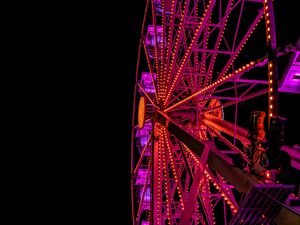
column 130, row 27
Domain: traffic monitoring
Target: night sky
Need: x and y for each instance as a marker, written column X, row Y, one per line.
column 131, row 20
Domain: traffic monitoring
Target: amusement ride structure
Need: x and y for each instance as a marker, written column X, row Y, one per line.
column 206, row 134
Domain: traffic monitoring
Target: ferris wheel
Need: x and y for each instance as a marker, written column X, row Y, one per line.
column 206, row 83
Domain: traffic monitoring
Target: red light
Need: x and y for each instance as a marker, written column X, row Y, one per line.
column 267, row 174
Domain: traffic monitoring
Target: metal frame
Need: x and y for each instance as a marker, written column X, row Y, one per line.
column 197, row 60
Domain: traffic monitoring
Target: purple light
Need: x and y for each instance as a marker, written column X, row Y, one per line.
column 143, row 135
column 297, row 76
column 141, row 176
column 147, row 198
column 147, row 195
column 158, row 6
column 144, row 140
column 291, row 78
column 145, row 131
column 146, row 82
column 151, row 40
column 150, row 37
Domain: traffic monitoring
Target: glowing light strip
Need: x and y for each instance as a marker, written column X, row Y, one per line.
column 199, row 29
column 270, row 63
column 229, row 144
column 163, row 47
column 159, row 181
column 169, row 41
column 224, row 192
column 242, row 43
column 218, row 41
column 167, row 186
column 171, row 157
column 177, row 39
column 244, row 98
column 214, row 85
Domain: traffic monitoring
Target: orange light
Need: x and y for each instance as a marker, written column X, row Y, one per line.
column 141, row 112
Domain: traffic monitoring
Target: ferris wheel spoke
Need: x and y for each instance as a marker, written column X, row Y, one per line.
column 227, row 128
column 230, row 88
column 173, row 164
column 206, row 201
column 146, row 95
column 194, row 172
column 222, row 187
column 238, row 25
column 241, row 43
column 142, row 155
column 156, row 45
column 228, row 143
column 189, row 140
column 194, row 191
column 151, row 71
column 218, row 41
column 143, row 191
column 169, row 42
column 218, row 83
column 189, row 50
column 179, row 37
column 241, row 99
column 217, row 159
column 164, row 24
column 214, row 85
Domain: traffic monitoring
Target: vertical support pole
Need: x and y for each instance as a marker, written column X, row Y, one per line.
column 235, row 115
column 155, row 176
column 272, row 64
column 224, row 210
column 194, row 191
